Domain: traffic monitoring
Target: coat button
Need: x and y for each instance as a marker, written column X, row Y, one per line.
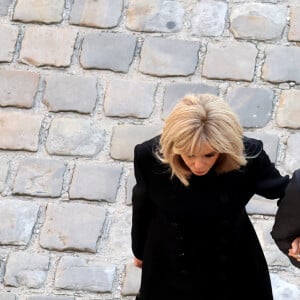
column 174, row 224
column 179, row 237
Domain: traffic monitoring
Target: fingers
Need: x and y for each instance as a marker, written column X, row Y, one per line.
column 137, row 262
column 294, row 251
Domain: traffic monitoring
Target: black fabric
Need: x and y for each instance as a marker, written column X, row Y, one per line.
column 197, row 242
column 287, row 220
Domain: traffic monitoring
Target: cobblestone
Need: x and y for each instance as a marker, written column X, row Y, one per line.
column 17, row 221
column 19, row 131
column 202, row 22
column 7, row 296
column 18, row 88
column 247, row 21
column 48, row 46
column 121, row 98
column 95, row 182
column 274, row 71
column 4, row 7
column 101, row 13
column 74, row 136
column 289, row 109
column 252, row 105
column 43, row 11
column 125, row 137
column 50, row 298
column 72, row 226
column 4, row 167
column 230, row 60
column 109, row 51
column 8, row 38
column 292, row 159
column 294, row 32
column 70, row 93
column 168, row 57
column 157, row 16
column 175, row 91
column 39, row 177
column 81, row 274
column 26, row 269
column 82, row 82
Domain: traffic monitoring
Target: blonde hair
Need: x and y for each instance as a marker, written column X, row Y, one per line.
column 197, row 119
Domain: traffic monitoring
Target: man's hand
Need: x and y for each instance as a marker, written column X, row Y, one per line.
column 294, row 251
column 139, row 263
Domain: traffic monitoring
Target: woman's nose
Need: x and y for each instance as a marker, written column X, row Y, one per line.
column 198, row 163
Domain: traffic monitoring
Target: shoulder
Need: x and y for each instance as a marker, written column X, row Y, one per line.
column 252, row 147
column 148, row 148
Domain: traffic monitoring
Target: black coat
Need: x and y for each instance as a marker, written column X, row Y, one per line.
column 287, row 219
column 197, row 242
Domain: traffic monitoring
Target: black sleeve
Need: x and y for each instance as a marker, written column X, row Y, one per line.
column 141, row 206
column 267, row 180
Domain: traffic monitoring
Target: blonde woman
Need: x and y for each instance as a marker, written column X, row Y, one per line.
column 190, row 232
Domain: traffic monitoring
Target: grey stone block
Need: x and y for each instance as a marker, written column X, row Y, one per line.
column 275, row 71
column 4, row 167
column 288, row 111
column 282, row 288
column 74, row 273
column 292, row 158
column 74, row 136
column 230, row 60
column 155, row 16
column 168, row 57
column 26, row 269
column 18, row 88
column 17, row 221
column 8, row 38
column 48, row 46
column 50, row 298
column 109, row 51
column 95, row 182
column 19, row 131
column 261, row 206
column 72, row 226
column 7, row 296
column 132, row 280
column 252, row 105
column 129, row 186
column 294, row 32
column 101, row 13
column 248, row 19
column 125, row 137
column 125, row 98
column 4, row 5
column 270, row 141
column 42, row 11
column 40, row 177
column 70, row 93
column 176, row 91
column 209, row 18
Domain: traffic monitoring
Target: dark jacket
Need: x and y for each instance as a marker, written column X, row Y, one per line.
column 197, row 242
column 287, row 220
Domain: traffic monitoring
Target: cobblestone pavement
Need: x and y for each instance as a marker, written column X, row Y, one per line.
column 81, row 82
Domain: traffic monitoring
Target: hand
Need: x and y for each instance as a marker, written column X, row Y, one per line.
column 294, row 251
column 137, row 262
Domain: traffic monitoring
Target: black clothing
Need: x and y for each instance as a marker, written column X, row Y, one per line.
column 287, row 222
column 197, row 242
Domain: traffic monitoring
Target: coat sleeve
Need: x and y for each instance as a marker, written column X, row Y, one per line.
column 267, row 180
column 287, row 222
column 141, row 206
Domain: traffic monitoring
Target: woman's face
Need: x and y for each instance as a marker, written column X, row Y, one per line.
column 202, row 161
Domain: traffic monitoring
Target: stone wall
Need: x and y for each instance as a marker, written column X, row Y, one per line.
column 82, row 82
